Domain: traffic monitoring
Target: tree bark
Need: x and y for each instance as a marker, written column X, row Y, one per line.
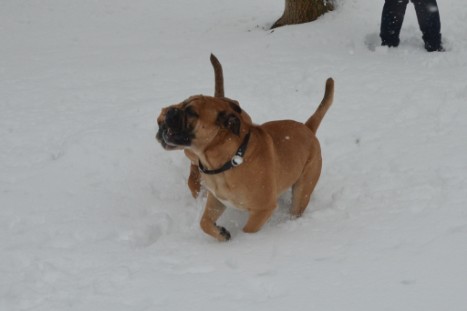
column 302, row 11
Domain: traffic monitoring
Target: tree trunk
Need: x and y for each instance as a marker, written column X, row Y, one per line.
column 302, row 11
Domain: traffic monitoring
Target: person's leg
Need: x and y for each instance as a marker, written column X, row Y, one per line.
column 391, row 21
column 430, row 25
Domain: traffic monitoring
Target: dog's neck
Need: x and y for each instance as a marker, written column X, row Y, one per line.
column 221, row 149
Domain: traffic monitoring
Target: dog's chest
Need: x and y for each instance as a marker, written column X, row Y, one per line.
column 229, row 204
column 225, row 194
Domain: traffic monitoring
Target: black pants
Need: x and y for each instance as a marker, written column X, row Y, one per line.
column 428, row 20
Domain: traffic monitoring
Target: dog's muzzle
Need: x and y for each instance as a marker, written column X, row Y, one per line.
column 173, row 132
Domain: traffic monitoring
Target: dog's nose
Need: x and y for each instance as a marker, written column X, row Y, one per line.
column 173, row 118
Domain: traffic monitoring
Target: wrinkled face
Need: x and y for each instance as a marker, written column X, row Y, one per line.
column 195, row 122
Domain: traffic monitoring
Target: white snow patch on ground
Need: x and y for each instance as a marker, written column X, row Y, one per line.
column 94, row 215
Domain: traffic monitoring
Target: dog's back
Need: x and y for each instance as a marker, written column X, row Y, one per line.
column 295, row 142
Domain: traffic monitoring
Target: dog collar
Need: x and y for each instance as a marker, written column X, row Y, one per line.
column 236, row 160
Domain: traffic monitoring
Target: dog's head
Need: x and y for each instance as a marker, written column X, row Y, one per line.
column 195, row 122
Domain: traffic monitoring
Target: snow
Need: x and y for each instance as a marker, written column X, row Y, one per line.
column 95, row 215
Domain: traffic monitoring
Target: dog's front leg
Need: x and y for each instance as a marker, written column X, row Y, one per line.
column 194, row 182
column 212, row 212
column 257, row 219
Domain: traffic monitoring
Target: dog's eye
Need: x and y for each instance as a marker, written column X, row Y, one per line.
column 190, row 112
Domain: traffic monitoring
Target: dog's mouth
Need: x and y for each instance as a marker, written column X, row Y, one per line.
column 175, row 131
column 162, row 138
column 172, row 139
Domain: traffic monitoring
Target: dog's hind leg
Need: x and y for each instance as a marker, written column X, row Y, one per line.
column 302, row 189
column 212, row 212
column 257, row 219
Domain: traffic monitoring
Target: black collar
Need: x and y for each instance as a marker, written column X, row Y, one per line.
column 236, row 160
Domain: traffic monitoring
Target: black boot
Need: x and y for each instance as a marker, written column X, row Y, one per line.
column 434, row 45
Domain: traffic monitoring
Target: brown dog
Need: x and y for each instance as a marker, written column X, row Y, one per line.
column 245, row 165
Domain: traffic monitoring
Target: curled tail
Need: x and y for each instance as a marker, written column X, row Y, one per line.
column 218, row 77
column 313, row 122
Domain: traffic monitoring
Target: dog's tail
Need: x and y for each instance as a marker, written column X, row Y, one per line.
column 218, row 77
column 314, row 121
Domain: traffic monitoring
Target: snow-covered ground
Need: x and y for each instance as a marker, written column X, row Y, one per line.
column 95, row 215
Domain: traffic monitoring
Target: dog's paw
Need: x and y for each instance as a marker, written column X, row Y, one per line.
column 224, row 233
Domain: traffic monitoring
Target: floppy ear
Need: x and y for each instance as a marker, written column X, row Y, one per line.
column 230, row 122
column 233, row 104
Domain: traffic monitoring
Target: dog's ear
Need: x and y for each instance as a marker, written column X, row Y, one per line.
column 229, row 121
column 233, row 104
